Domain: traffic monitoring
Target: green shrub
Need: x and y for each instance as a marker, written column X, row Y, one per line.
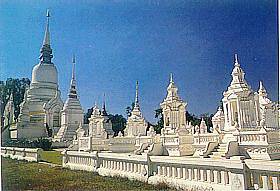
column 42, row 143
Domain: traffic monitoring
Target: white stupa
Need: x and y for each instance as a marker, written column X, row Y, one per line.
column 136, row 123
column 40, row 110
column 72, row 113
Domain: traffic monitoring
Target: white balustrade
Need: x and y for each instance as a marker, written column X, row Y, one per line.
column 28, row 154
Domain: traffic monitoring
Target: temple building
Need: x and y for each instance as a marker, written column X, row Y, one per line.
column 40, row 110
column 72, row 113
column 173, row 109
column 136, row 123
column 243, row 108
column 100, row 126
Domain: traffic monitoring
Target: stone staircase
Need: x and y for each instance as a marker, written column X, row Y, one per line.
column 148, row 148
column 219, row 151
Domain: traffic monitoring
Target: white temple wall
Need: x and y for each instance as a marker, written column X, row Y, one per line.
column 186, row 173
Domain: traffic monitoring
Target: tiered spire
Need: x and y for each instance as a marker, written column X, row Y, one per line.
column 73, row 90
column 46, row 51
column 136, row 109
column 172, row 90
column 104, row 112
column 262, row 90
column 136, row 103
column 238, row 74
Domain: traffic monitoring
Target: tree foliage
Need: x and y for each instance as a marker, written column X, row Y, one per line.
column 15, row 86
column 129, row 109
column 87, row 115
column 159, row 117
column 118, row 123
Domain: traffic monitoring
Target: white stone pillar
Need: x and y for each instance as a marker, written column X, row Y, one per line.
column 159, row 170
column 139, row 168
column 275, row 183
column 208, row 176
column 127, row 167
column 195, row 172
column 184, row 171
column 173, row 172
column 164, row 171
column 202, row 175
column 223, row 177
column 215, row 174
column 135, row 168
column 179, row 172
column 229, row 178
column 168, row 171
column 265, row 182
column 190, row 174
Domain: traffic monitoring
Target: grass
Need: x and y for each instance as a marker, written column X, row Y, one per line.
column 52, row 157
column 20, row 175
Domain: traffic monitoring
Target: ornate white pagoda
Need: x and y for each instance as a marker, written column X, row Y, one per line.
column 173, row 109
column 100, row 126
column 136, row 123
column 175, row 136
column 40, row 110
column 72, row 113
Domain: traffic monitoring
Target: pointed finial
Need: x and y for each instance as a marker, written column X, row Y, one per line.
column 136, row 94
column 262, row 90
column 236, row 63
column 261, row 85
column 73, row 59
column 171, row 78
column 104, row 112
column 73, row 67
column 47, row 32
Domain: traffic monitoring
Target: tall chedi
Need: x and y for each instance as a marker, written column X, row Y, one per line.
column 72, row 113
column 40, row 110
column 136, row 124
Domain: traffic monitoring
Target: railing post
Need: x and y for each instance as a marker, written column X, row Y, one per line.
column 275, row 183
column 265, row 182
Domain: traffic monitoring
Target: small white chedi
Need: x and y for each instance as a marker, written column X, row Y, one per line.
column 72, row 113
column 100, row 126
column 136, row 123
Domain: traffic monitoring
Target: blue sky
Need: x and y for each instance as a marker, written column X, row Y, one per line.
column 118, row 42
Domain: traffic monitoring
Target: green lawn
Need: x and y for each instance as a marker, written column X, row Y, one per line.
column 52, row 157
column 19, row 175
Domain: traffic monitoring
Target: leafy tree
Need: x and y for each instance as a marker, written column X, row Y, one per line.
column 87, row 115
column 192, row 118
column 15, row 86
column 159, row 116
column 118, row 123
column 129, row 109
